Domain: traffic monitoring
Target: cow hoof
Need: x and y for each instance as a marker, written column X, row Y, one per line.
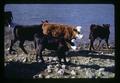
column 66, row 63
column 40, row 61
column 12, row 52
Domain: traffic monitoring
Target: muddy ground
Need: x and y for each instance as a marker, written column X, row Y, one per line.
column 81, row 64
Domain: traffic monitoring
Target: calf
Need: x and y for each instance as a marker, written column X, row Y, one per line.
column 97, row 31
column 23, row 33
column 51, row 43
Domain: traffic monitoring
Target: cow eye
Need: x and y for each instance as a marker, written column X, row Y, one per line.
column 78, row 32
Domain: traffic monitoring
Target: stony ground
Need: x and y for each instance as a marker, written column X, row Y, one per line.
column 81, row 64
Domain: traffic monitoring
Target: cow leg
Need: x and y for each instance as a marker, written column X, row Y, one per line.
column 61, row 53
column 11, row 45
column 107, row 43
column 60, row 56
column 39, row 50
column 35, row 44
column 38, row 47
column 99, row 44
column 64, row 58
column 91, row 44
column 22, row 47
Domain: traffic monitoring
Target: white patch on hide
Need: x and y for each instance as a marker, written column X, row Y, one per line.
column 78, row 28
column 80, row 36
column 78, row 39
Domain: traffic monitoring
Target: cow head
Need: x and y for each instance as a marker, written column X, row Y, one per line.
column 77, row 33
column 106, row 25
column 77, row 37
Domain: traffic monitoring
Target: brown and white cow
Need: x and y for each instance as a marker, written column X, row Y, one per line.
column 69, row 33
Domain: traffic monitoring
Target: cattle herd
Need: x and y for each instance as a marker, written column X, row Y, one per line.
column 53, row 36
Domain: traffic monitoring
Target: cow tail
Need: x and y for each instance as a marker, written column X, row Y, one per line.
column 13, row 33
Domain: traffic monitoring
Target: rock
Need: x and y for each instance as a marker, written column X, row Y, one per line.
column 49, row 66
column 61, row 72
column 89, row 74
column 73, row 77
column 73, row 72
column 5, row 64
column 56, row 69
column 40, row 76
column 50, row 59
column 89, row 53
column 78, row 68
column 62, row 60
column 57, row 66
column 7, row 49
column 48, row 76
column 101, row 69
column 101, row 53
column 25, row 59
column 63, row 66
column 35, row 76
column 68, row 60
column 10, row 59
column 66, row 77
column 74, row 61
column 113, row 53
column 99, row 72
column 55, row 59
column 49, row 70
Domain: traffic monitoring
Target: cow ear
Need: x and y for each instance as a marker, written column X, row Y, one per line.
column 74, row 29
column 42, row 21
column 108, row 25
column 46, row 21
column 103, row 24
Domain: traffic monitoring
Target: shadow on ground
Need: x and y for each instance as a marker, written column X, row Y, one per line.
column 23, row 70
column 93, row 54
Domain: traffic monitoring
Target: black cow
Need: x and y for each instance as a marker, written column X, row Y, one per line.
column 97, row 31
column 8, row 17
column 23, row 33
column 51, row 43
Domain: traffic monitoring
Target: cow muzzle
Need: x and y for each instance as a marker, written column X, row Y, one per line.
column 76, row 41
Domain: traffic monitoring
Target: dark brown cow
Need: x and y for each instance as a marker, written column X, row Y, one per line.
column 24, row 32
column 50, row 43
column 97, row 31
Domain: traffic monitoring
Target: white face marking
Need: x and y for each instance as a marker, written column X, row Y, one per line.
column 76, row 42
column 78, row 38
column 78, row 28
column 73, row 40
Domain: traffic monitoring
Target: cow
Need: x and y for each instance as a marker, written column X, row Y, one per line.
column 97, row 31
column 50, row 43
column 23, row 33
column 8, row 17
column 66, row 32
